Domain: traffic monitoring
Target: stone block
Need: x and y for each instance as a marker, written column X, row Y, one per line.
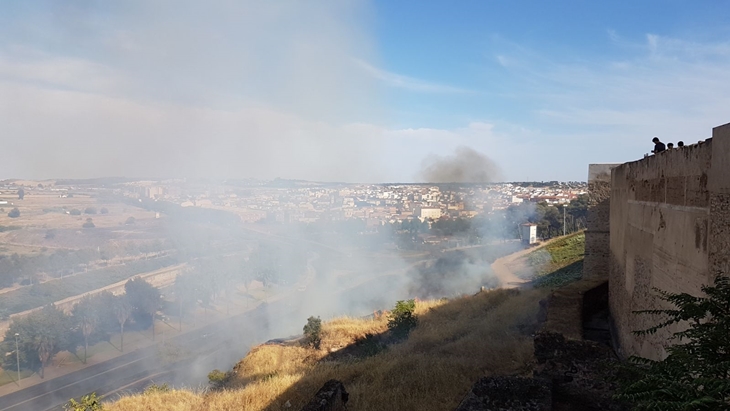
column 331, row 397
column 508, row 393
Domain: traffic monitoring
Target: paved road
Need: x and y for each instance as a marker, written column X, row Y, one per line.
column 214, row 346
column 227, row 339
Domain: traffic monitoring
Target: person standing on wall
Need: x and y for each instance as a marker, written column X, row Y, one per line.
column 658, row 146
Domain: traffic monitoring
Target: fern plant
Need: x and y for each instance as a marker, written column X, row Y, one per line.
column 696, row 373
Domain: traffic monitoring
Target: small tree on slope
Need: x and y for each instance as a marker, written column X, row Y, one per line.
column 402, row 319
column 312, row 332
column 696, row 374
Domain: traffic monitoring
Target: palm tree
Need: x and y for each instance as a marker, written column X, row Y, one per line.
column 122, row 310
column 88, row 323
column 45, row 348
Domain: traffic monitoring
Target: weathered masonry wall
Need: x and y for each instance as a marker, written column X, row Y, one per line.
column 596, row 262
column 669, row 229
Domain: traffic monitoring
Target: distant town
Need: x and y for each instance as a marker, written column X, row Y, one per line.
column 288, row 201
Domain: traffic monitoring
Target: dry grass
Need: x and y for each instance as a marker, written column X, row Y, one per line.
column 455, row 343
column 165, row 401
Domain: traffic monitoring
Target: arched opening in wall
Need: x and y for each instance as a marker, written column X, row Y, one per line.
column 596, row 320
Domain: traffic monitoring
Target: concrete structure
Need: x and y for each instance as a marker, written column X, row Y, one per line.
column 528, row 233
column 670, row 230
column 425, row 213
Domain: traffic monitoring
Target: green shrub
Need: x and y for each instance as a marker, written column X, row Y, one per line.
column 312, row 332
column 87, row 403
column 402, row 319
column 156, row 388
column 217, row 378
column 369, row 345
column 75, row 211
column 90, row 210
column 14, row 213
column 104, row 210
column 695, row 375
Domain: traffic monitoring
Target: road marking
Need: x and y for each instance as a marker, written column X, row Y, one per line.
column 75, row 382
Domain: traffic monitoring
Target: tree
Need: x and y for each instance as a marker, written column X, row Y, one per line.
column 89, row 223
column 85, row 317
column 185, row 285
column 312, row 332
column 90, row 210
column 122, row 311
column 402, row 318
column 144, row 299
column 41, row 334
column 579, row 206
column 14, row 213
column 21, row 193
column 695, row 375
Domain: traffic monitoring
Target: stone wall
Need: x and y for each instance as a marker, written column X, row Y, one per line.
column 669, row 229
column 596, row 262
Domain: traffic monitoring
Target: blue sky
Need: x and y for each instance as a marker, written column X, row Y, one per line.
column 353, row 91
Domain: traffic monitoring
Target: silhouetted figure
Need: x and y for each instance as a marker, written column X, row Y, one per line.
column 670, row 146
column 658, row 146
column 680, row 144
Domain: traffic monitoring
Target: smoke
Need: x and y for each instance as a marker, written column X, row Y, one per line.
column 466, row 165
column 161, row 90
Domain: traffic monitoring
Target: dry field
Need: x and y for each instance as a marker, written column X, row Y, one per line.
column 456, row 342
column 42, row 212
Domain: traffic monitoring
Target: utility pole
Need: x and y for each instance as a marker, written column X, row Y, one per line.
column 179, row 297
column 17, row 356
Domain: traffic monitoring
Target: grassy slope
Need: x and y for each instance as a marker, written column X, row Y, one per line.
column 558, row 263
column 456, row 342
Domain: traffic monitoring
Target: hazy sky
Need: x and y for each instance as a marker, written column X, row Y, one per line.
column 352, row 90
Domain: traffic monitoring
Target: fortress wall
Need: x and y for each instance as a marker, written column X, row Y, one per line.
column 669, row 229
column 596, row 262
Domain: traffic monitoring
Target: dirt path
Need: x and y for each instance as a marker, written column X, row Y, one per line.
column 500, row 266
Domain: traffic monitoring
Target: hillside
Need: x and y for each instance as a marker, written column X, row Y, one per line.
column 456, row 342
column 556, row 264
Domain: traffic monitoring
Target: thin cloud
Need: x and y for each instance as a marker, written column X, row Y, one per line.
column 408, row 83
column 654, row 85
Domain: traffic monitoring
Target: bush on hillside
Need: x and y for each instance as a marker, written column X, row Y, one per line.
column 89, row 223
column 695, row 375
column 104, row 210
column 14, row 213
column 129, row 221
column 313, row 332
column 217, row 379
column 402, row 319
column 86, row 403
column 75, row 211
column 90, row 210
column 156, row 388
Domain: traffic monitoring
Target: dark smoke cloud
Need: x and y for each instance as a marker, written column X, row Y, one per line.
column 466, row 165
